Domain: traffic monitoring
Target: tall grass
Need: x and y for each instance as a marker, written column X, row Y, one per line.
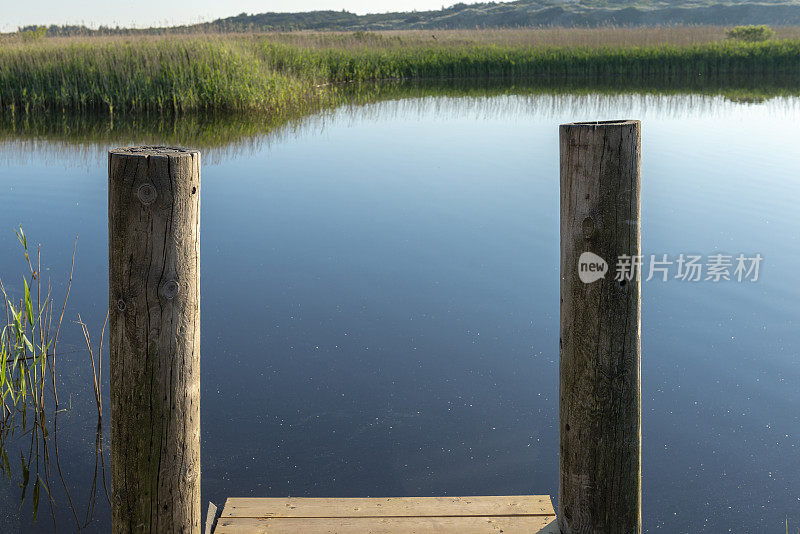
column 281, row 73
column 143, row 75
column 661, row 63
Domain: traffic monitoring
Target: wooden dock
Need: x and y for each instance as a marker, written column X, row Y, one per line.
column 154, row 226
column 528, row 514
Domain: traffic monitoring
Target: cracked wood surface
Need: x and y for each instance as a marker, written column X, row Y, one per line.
column 154, row 299
column 600, row 352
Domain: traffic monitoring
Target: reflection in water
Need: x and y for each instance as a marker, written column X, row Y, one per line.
column 84, row 140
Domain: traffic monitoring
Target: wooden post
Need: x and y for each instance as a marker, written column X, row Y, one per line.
column 154, row 292
column 599, row 376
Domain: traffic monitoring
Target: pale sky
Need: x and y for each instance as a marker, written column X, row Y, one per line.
column 143, row 13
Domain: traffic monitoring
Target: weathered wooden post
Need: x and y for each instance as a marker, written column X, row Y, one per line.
column 600, row 351
column 154, row 292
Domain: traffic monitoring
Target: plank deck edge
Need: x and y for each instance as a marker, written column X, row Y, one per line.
column 388, row 507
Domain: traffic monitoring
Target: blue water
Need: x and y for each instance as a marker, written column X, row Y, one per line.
column 380, row 304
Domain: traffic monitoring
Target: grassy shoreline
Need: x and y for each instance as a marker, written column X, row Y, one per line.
column 290, row 73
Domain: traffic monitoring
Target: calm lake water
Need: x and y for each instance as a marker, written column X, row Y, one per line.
column 380, row 304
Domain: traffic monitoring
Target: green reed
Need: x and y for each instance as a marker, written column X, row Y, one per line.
column 658, row 63
column 140, row 75
column 29, row 406
column 27, row 344
column 283, row 74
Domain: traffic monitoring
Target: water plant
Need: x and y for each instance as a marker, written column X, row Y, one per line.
column 27, row 345
column 29, row 405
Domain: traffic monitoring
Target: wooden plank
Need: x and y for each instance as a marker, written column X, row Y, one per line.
column 211, row 515
column 389, row 525
column 389, row 506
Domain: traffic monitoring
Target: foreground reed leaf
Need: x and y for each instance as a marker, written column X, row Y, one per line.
column 28, row 303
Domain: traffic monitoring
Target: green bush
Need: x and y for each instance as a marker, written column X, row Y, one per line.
column 33, row 34
column 751, row 33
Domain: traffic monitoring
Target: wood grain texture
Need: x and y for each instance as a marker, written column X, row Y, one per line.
column 154, row 292
column 389, row 506
column 600, row 352
column 394, row 525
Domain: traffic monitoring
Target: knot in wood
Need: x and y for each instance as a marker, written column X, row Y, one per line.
column 121, row 305
column 147, row 194
column 169, row 289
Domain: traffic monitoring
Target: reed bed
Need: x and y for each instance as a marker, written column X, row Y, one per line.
column 287, row 73
column 136, row 75
column 609, row 36
column 662, row 62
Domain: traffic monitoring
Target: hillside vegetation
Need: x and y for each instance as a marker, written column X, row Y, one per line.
column 523, row 13
column 531, row 13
